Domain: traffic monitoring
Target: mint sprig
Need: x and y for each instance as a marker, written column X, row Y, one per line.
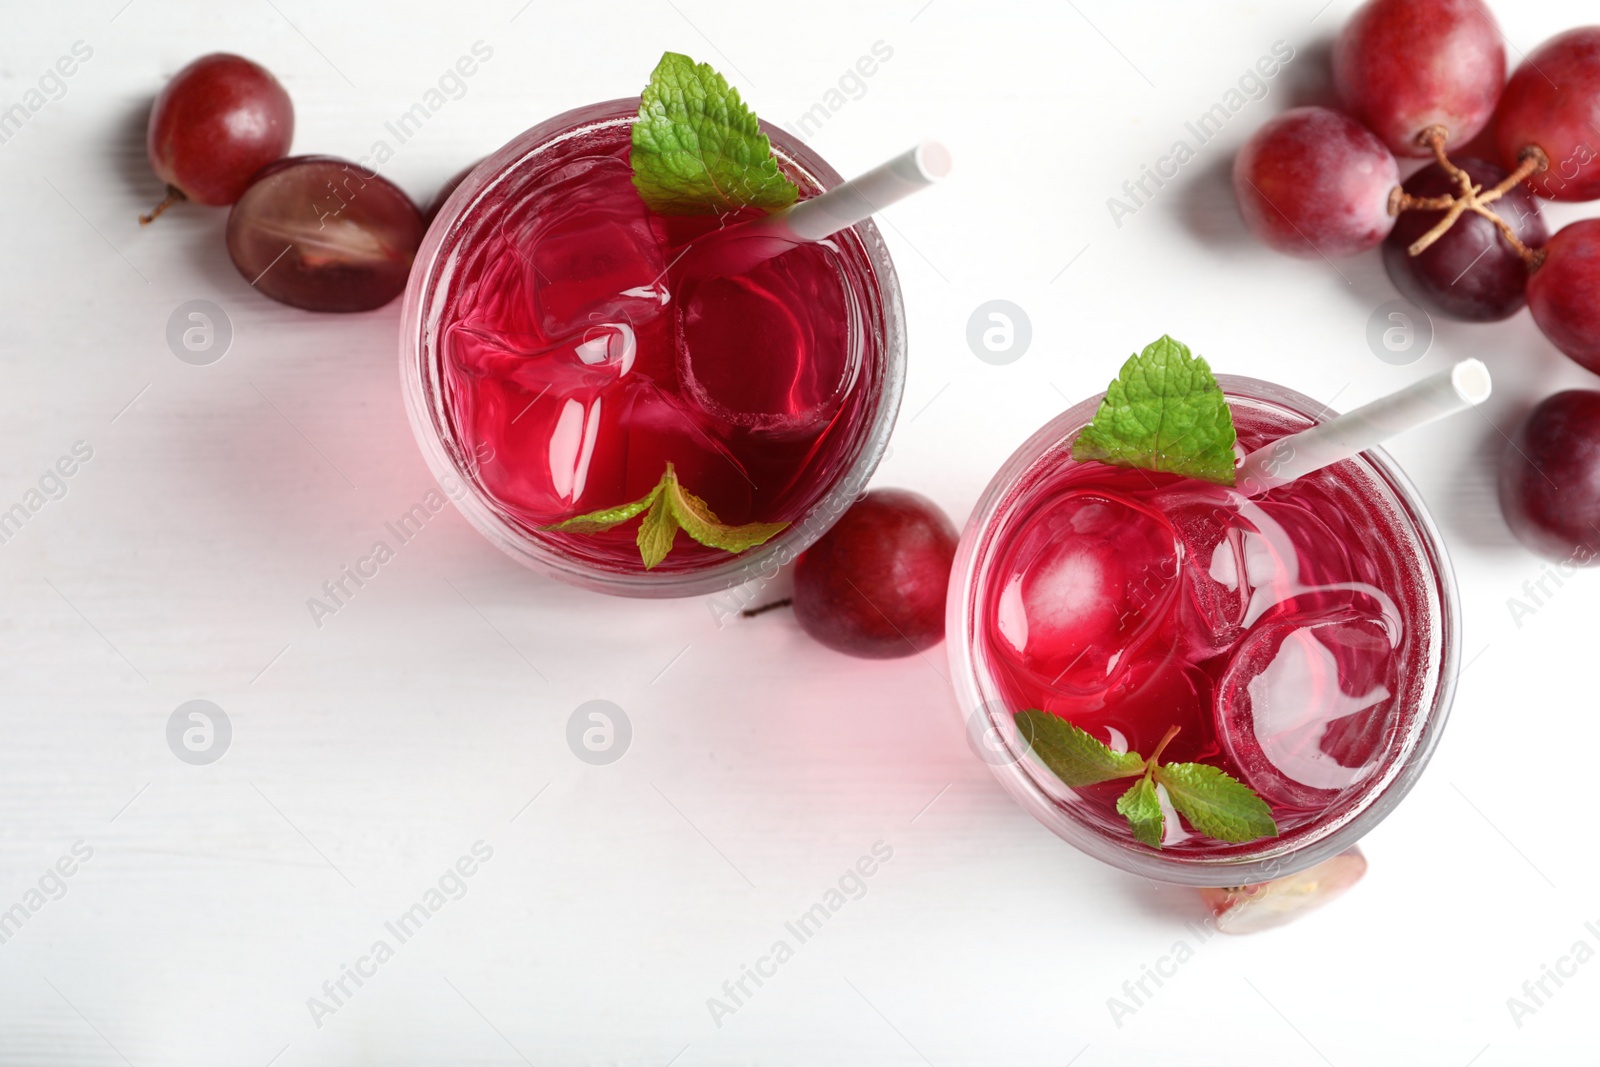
column 1164, row 412
column 668, row 508
column 1215, row 803
column 698, row 150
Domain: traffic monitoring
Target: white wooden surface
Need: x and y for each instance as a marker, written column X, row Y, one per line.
column 429, row 712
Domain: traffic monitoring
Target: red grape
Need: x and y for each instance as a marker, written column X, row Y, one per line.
column 1471, row 272
column 323, row 234
column 1564, row 294
column 1401, row 66
column 1249, row 909
column 1550, row 478
column 214, row 125
column 1312, row 181
column 1553, row 101
column 874, row 585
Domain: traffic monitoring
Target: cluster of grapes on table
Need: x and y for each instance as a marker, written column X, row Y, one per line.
column 1463, row 237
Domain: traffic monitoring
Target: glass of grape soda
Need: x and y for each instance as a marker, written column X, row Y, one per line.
column 1302, row 640
column 556, row 361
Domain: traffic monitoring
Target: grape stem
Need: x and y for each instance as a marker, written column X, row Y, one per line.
column 174, row 195
column 1474, row 198
column 751, row 613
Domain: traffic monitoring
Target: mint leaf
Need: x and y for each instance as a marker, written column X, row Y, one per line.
column 668, row 508
column 1071, row 754
column 1165, row 412
column 1215, row 803
column 701, row 523
column 697, row 150
column 1142, row 807
column 601, row 521
column 658, row 528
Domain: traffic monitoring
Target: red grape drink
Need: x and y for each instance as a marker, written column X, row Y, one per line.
column 560, row 359
column 1301, row 641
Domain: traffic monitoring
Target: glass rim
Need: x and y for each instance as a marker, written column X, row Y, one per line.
column 1275, row 859
column 431, row 430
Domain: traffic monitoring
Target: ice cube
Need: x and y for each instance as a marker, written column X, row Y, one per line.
column 1291, row 556
column 1158, row 690
column 768, row 351
column 537, row 421
column 611, row 345
column 1084, row 588
column 547, row 461
column 592, row 359
column 1306, row 706
column 590, row 248
column 660, row 429
column 1216, row 579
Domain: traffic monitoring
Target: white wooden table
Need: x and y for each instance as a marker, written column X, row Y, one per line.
column 209, row 903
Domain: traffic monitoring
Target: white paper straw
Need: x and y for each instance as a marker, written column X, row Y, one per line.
column 1451, row 390
column 861, row 197
column 743, row 248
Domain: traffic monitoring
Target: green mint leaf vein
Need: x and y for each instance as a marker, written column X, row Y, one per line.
column 1142, row 806
column 668, row 508
column 698, row 150
column 1072, row 755
column 1165, row 412
column 1216, row 803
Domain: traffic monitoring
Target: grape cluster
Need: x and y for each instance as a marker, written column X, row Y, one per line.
column 1462, row 237
column 314, row 232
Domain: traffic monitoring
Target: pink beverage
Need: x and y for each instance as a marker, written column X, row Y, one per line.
column 573, row 358
column 1301, row 641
